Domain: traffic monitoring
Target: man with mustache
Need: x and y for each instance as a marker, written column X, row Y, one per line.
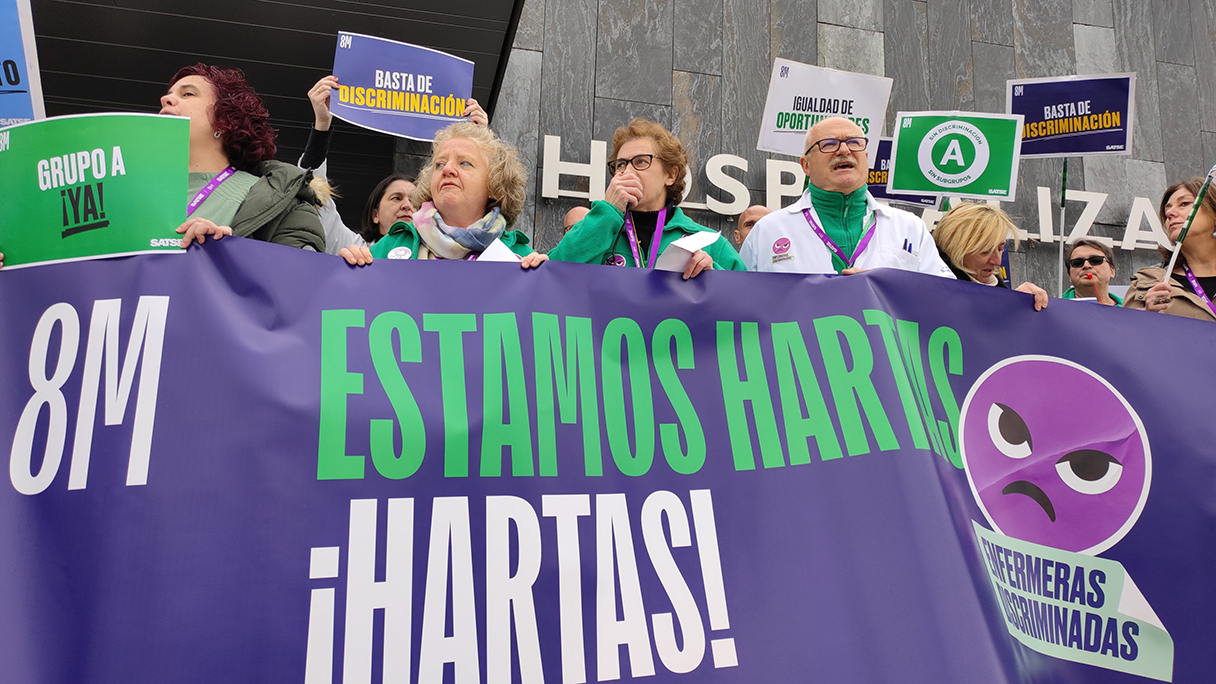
column 837, row 226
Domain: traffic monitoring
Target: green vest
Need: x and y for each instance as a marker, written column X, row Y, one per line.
column 1071, row 293
column 843, row 219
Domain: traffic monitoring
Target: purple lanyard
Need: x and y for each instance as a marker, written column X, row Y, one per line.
column 1198, row 288
column 654, row 242
column 209, row 188
column 861, row 246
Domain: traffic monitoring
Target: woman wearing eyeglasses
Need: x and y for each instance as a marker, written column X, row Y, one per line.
column 638, row 217
column 1191, row 288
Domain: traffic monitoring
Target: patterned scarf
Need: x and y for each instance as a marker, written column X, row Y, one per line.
column 447, row 242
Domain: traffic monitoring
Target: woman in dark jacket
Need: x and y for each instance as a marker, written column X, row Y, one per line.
column 235, row 186
column 971, row 239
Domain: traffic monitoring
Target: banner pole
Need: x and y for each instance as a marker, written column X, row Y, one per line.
column 1186, row 227
column 1063, row 194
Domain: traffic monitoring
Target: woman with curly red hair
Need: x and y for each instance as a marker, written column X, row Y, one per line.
column 236, row 187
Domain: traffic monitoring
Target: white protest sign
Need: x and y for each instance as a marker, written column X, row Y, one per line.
column 801, row 95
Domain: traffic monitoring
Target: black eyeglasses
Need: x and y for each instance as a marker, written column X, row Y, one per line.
column 1094, row 260
column 641, row 162
column 830, row 145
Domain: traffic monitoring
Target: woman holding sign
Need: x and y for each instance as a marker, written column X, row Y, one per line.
column 1191, row 288
column 638, row 218
column 468, row 196
column 971, row 239
column 235, row 185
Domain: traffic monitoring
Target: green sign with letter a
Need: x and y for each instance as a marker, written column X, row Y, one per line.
column 961, row 154
column 92, row 185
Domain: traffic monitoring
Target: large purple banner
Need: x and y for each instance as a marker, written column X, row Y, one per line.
column 253, row 464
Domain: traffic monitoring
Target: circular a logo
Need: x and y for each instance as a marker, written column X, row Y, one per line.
column 616, row 260
column 400, row 253
column 953, row 154
column 781, row 246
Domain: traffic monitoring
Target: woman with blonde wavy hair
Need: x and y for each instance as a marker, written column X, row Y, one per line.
column 971, row 239
column 468, row 196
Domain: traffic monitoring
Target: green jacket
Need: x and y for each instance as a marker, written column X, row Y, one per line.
column 601, row 235
column 279, row 208
column 402, row 234
column 1071, row 293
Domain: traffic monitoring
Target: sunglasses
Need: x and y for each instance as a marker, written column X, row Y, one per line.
column 1095, row 260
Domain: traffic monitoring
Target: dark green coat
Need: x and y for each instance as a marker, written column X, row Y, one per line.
column 280, row 208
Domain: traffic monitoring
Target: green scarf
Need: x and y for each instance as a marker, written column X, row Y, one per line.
column 842, row 217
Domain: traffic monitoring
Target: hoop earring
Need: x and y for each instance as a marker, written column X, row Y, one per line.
column 217, row 134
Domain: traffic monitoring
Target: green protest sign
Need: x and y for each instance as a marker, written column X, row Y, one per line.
column 92, row 185
column 965, row 154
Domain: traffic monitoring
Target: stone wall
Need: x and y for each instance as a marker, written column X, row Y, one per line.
column 580, row 68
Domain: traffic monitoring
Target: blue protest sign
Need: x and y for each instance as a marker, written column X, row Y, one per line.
column 433, row 471
column 1074, row 116
column 398, row 88
column 20, row 84
column 877, row 183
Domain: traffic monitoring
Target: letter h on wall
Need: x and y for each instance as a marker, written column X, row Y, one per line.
column 595, row 172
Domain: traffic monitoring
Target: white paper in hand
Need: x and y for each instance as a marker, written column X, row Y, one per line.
column 676, row 256
column 497, row 251
column 801, row 95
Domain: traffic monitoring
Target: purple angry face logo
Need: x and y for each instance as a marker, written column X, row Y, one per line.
column 616, row 260
column 781, row 246
column 1054, row 454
